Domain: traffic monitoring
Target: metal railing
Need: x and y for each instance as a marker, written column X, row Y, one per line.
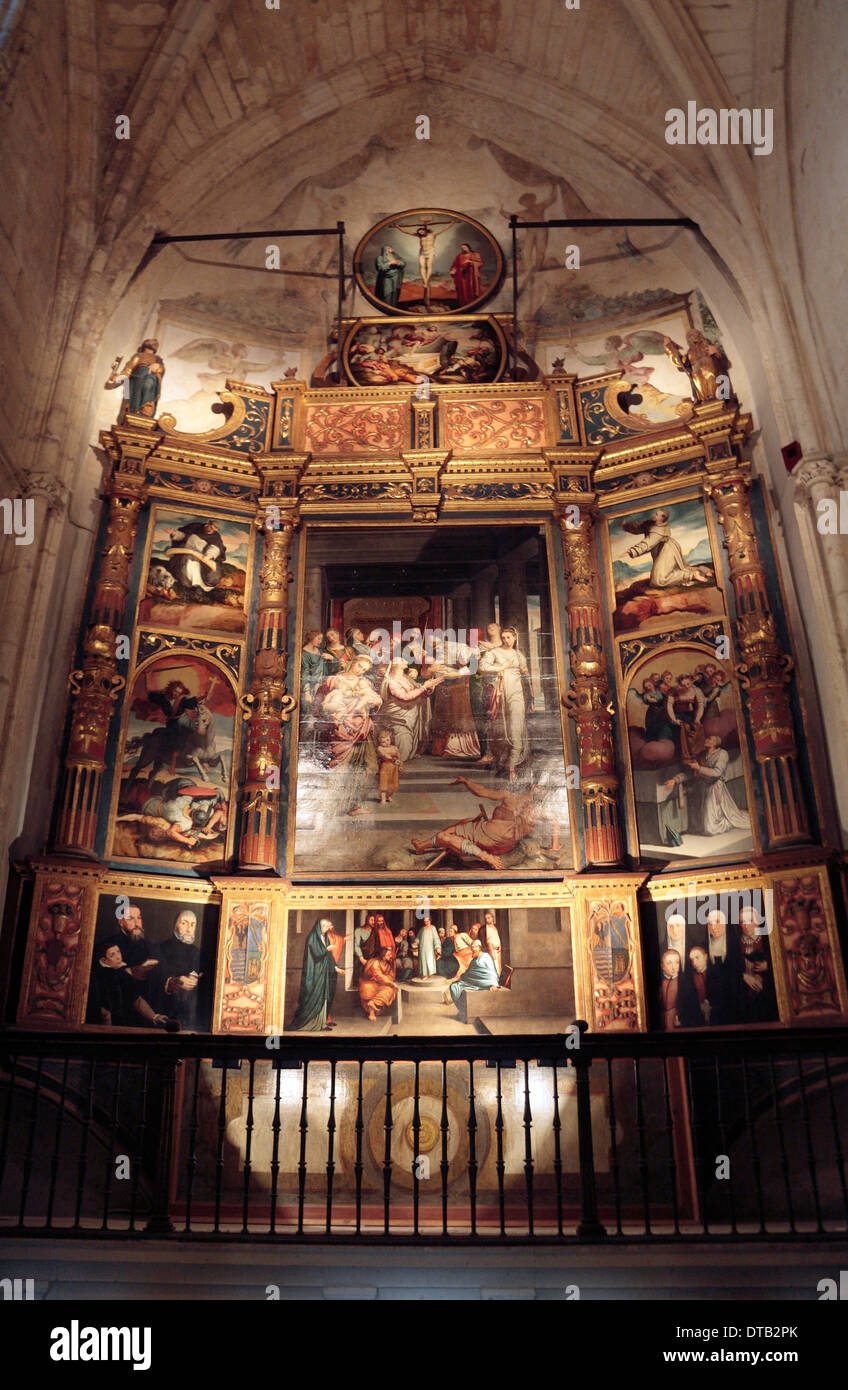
column 575, row 1137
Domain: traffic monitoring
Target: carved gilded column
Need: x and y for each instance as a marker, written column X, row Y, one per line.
column 764, row 671
column 588, row 699
column 96, row 684
column 267, row 707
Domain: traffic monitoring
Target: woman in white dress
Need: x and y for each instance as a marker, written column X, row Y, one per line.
column 507, row 744
column 404, row 709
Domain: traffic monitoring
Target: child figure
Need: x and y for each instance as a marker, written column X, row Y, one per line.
column 388, row 772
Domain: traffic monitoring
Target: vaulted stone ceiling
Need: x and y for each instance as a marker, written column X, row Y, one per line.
column 241, row 114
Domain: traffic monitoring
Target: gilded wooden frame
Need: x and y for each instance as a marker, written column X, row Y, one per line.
column 419, row 213
column 684, row 631
column 559, row 631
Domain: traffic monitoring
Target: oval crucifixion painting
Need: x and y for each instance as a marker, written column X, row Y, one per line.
column 428, row 261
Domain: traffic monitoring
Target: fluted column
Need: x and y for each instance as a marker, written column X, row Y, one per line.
column 819, row 481
column 588, row 699
column 267, row 707
column 764, row 671
column 95, row 685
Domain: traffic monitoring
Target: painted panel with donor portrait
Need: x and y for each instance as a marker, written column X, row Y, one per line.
column 710, row 960
column 153, row 963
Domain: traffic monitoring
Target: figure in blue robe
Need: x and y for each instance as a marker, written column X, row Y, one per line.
column 389, row 279
column 482, row 973
column 317, row 983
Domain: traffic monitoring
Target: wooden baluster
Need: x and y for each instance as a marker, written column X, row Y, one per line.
column 191, row 1156
column 837, row 1138
column 722, row 1133
column 357, row 1167
column 615, row 1165
column 557, row 1127
column 444, row 1165
column 671, row 1161
column 751, row 1128
column 29, row 1151
column 54, row 1162
column 388, row 1124
column 301, row 1166
column 781, row 1139
column 222, row 1133
column 248, row 1144
column 276, row 1126
column 331, row 1137
column 113, row 1136
column 528, row 1149
column 416, row 1139
column 472, row 1149
column 500, row 1166
column 590, row 1227
column 82, row 1164
column 808, row 1137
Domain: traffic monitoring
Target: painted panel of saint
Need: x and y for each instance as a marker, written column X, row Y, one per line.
column 176, row 763
column 662, row 566
column 153, row 964
column 438, row 971
column 428, row 260
column 197, row 568
column 710, row 957
column 383, row 352
column 689, row 774
column 430, row 731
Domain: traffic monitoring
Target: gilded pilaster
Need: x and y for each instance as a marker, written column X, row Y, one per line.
column 764, row 671
column 95, row 685
column 267, row 707
column 588, row 700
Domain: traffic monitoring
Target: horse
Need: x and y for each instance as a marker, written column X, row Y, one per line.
column 194, row 747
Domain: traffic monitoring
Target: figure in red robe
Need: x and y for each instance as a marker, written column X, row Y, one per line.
column 467, row 275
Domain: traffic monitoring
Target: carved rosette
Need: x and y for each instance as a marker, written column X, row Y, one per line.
column 588, row 699
column 95, row 685
column 267, row 707
column 764, row 671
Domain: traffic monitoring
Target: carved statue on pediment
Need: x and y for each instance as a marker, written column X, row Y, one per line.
column 704, row 364
column 141, row 378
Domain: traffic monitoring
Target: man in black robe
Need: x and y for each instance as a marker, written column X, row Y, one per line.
column 137, row 953
column 178, row 974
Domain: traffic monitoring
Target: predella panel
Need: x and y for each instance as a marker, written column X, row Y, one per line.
column 153, row 963
column 414, row 972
